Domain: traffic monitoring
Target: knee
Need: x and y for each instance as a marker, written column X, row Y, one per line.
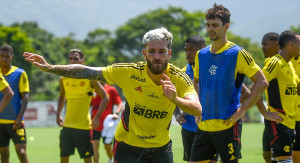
column 21, row 152
column 267, row 155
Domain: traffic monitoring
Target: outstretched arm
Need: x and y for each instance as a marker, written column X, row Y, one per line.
column 77, row 71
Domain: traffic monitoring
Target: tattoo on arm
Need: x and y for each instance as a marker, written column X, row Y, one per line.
column 78, row 71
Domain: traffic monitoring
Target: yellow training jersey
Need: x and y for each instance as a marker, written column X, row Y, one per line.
column 3, row 83
column 78, row 93
column 148, row 113
column 245, row 64
column 282, row 91
column 296, row 64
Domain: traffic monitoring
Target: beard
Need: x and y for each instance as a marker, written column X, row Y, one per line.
column 157, row 69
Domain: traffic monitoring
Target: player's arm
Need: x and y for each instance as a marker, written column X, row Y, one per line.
column 77, row 71
column 8, row 94
column 60, row 104
column 103, row 95
column 179, row 116
column 244, row 93
column 24, row 91
column 261, row 84
column 189, row 103
column 25, row 100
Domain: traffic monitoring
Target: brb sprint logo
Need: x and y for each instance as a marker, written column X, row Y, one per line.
column 147, row 113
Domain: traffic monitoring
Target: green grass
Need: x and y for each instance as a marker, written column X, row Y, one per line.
column 45, row 146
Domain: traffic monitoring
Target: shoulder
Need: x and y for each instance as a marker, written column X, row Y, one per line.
column 275, row 61
column 177, row 73
column 139, row 65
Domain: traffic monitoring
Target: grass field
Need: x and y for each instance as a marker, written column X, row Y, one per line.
column 43, row 145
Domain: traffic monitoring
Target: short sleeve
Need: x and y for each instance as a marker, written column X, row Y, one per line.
column 185, row 86
column 246, row 64
column 24, row 83
column 114, row 74
column 271, row 69
column 196, row 68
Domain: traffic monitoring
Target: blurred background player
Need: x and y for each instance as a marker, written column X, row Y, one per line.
column 282, row 96
column 296, row 145
column 11, row 118
column 270, row 48
column 114, row 99
column 187, row 121
column 77, row 124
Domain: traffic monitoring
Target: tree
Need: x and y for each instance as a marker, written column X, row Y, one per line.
column 180, row 23
column 20, row 43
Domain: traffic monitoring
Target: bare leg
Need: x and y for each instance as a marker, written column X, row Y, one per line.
column 4, row 151
column 96, row 150
column 21, row 152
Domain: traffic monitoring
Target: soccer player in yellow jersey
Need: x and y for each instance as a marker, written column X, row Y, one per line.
column 77, row 123
column 296, row 145
column 6, row 93
column 282, row 95
column 11, row 118
column 270, row 48
column 152, row 90
column 219, row 72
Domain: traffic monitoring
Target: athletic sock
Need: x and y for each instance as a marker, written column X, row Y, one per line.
column 286, row 161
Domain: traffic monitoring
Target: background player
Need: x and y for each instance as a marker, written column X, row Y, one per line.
column 11, row 118
column 77, row 124
column 270, row 48
column 114, row 99
column 282, row 95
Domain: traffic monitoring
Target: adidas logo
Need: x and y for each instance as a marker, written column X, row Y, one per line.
column 22, row 138
column 138, row 89
column 87, row 153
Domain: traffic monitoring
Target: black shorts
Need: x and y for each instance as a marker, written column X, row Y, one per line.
column 71, row 138
column 226, row 143
column 187, row 141
column 296, row 146
column 124, row 153
column 6, row 133
column 266, row 140
column 97, row 135
column 281, row 138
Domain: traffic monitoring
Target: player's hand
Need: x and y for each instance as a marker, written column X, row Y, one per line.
column 59, row 120
column 18, row 124
column 115, row 116
column 168, row 88
column 180, row 118
column 273, row 116
column 234, row 117
column 37, row 60
column 95, row 123
column 197, row 119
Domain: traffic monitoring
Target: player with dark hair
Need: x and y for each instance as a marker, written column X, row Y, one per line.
column 77, row 123
column 220, row 69
column 282, row 96
column 11, row 118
